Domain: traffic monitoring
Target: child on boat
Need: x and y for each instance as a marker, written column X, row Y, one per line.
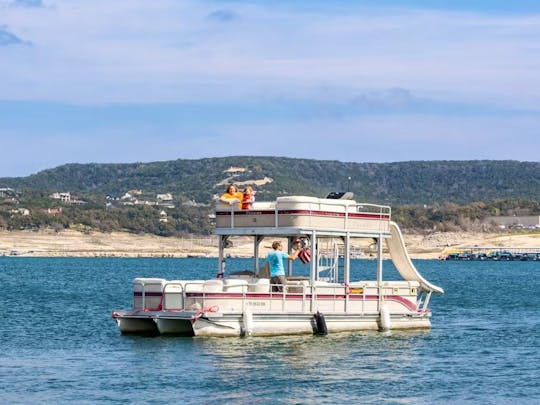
column 248, row 197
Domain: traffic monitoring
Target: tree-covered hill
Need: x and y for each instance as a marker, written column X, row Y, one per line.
column 426, row 196
column 415, row 182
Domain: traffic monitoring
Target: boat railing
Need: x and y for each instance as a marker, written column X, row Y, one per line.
column 147, row 294
column 304, row 212
column 195, row 295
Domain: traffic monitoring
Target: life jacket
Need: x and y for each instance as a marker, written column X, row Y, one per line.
column 247, row 200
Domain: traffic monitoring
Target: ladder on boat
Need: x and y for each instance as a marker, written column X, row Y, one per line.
column 328, row 262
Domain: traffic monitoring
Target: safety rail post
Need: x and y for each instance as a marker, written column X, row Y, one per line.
column 142, row 292
column 244, row 297
column 364, row 299
column 334, row 298
column 303, row 298
column 380, row 270
column 232, row 215
column 313, row 270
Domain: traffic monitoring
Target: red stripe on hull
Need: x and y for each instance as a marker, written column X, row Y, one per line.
column 308, row 212
column 295, row 297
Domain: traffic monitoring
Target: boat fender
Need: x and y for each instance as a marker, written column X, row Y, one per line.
column 320, row 324
column 247, row 320
column 384, row 319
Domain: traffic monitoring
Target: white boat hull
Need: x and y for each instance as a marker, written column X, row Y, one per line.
column 136, row 322
column 217, row 324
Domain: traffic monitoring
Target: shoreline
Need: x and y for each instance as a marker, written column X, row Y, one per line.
column 70, row 243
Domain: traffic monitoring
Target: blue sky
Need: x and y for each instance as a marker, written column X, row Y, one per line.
column 362, row 81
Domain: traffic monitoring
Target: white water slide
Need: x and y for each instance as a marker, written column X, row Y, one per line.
column 402, row 261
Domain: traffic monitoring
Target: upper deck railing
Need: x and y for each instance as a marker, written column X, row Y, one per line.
column 306, row 212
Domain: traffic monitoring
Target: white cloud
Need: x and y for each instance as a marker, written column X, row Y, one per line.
column 350, row 83
column 412, row 137
column 7, row 38
column 164, row 50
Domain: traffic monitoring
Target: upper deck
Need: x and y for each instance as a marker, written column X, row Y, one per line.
column 301, row 214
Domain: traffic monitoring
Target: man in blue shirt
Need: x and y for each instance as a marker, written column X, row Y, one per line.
column 275, row 265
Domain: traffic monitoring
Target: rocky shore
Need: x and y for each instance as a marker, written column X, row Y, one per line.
column 71, row 243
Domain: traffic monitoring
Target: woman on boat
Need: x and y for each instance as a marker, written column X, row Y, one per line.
column 231, row 195
column 274, row 260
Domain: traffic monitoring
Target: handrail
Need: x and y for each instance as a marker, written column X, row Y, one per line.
column 143, row 290
column 331, row 295
column 382, row 209
column 310, row 206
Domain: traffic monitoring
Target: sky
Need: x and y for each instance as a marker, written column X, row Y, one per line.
column 356, row 81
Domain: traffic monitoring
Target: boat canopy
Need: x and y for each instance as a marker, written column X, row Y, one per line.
column 311, row 216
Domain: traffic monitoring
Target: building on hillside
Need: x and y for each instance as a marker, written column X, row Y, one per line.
column 53, row 211
column 164, row 197
column 67, row 198
column 165, row 200
column 189, row 203
column 143, row 202
column 21, row 211
column 516, row 222
column 64, row 197
column 131, row 195
column 7, row 192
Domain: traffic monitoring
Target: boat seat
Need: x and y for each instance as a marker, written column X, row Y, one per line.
column 261, row 285
column 325, row 287
column 173, row 295
column 263, row 205
column 235, row 285
column 297, row 286
column 215, row 285
column 149, row 281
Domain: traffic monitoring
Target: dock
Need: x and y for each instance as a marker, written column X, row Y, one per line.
column 494, row 253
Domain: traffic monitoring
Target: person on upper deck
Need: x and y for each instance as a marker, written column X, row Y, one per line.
column 231, row 195
column 274, row 261
column 248, row 198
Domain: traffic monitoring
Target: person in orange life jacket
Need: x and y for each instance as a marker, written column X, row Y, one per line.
column 231, row 195
column 274, row 260
column 248, row 198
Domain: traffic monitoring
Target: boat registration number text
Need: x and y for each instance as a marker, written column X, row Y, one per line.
column 256, row 303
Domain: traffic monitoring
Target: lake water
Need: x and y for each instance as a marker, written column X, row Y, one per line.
column 60, row 345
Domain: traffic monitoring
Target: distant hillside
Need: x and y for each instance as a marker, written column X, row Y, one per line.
column 416, row 182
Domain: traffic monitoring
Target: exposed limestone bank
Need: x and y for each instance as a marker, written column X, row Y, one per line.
column 71, row 243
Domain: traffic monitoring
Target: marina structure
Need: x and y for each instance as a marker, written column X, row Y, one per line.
column 494, row 253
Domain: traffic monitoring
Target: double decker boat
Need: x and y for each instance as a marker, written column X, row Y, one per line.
column 320, row 300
